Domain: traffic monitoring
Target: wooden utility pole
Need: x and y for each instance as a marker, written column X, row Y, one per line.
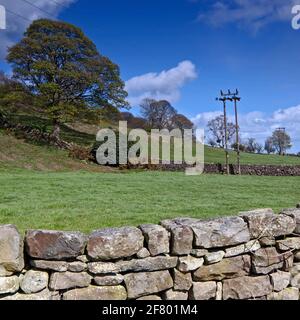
column 229, row 96
column 224, row 99
column 226, row 138
column 235, row 98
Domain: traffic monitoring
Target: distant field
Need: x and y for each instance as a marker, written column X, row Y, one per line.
column 86, row 201
column 214, row 155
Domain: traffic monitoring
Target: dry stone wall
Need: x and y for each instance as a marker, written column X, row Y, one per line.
column 255, row 170
column 255, row 255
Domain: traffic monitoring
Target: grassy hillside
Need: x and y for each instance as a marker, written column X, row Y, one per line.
column 16, row 154
column 84, row 134
column 87, row 201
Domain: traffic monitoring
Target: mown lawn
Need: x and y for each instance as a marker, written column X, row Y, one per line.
column 86, row 201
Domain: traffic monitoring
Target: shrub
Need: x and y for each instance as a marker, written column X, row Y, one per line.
column 80, row 153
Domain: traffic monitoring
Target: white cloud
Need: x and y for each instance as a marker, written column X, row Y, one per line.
column 164, row 85
column 252, row 14
column 260, row 125
column 16, row 25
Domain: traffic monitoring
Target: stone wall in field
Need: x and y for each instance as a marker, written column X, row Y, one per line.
column 255, row 255
column 255, row 170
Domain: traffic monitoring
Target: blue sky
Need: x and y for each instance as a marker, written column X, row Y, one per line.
column 187, row 50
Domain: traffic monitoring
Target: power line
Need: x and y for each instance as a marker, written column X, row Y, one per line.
column 42, row 10
column 39, row 8
column 18, row 15
column 59, row 4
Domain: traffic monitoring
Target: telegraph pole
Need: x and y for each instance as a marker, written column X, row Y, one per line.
column 226, row 138
column 224, row 99
column 229, row 96
column 235, row 98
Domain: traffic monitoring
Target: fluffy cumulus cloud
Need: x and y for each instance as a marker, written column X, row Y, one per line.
column 260, row 125
column 252, row 14
column 164, row 85
column 20, row 13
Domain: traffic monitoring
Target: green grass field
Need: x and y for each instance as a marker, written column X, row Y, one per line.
column 214, row 155
column 42, row 188
column 86, row 201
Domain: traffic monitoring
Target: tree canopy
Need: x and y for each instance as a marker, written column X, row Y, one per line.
column 158, row 114
column 64, row 70
column 281, row 141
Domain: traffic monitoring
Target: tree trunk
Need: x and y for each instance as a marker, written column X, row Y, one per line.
column 56, row 130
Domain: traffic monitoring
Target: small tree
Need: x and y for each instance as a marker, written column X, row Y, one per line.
column 216, row 128
column 242, row 147
column 63, row 69
column 269, row 145
column 281, row 141
column 212, row 142
column 259, row 148
column 251, row 145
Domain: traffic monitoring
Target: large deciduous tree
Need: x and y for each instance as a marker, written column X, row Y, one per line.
column 64, row 70
column 158, row 114
column 162, row 115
